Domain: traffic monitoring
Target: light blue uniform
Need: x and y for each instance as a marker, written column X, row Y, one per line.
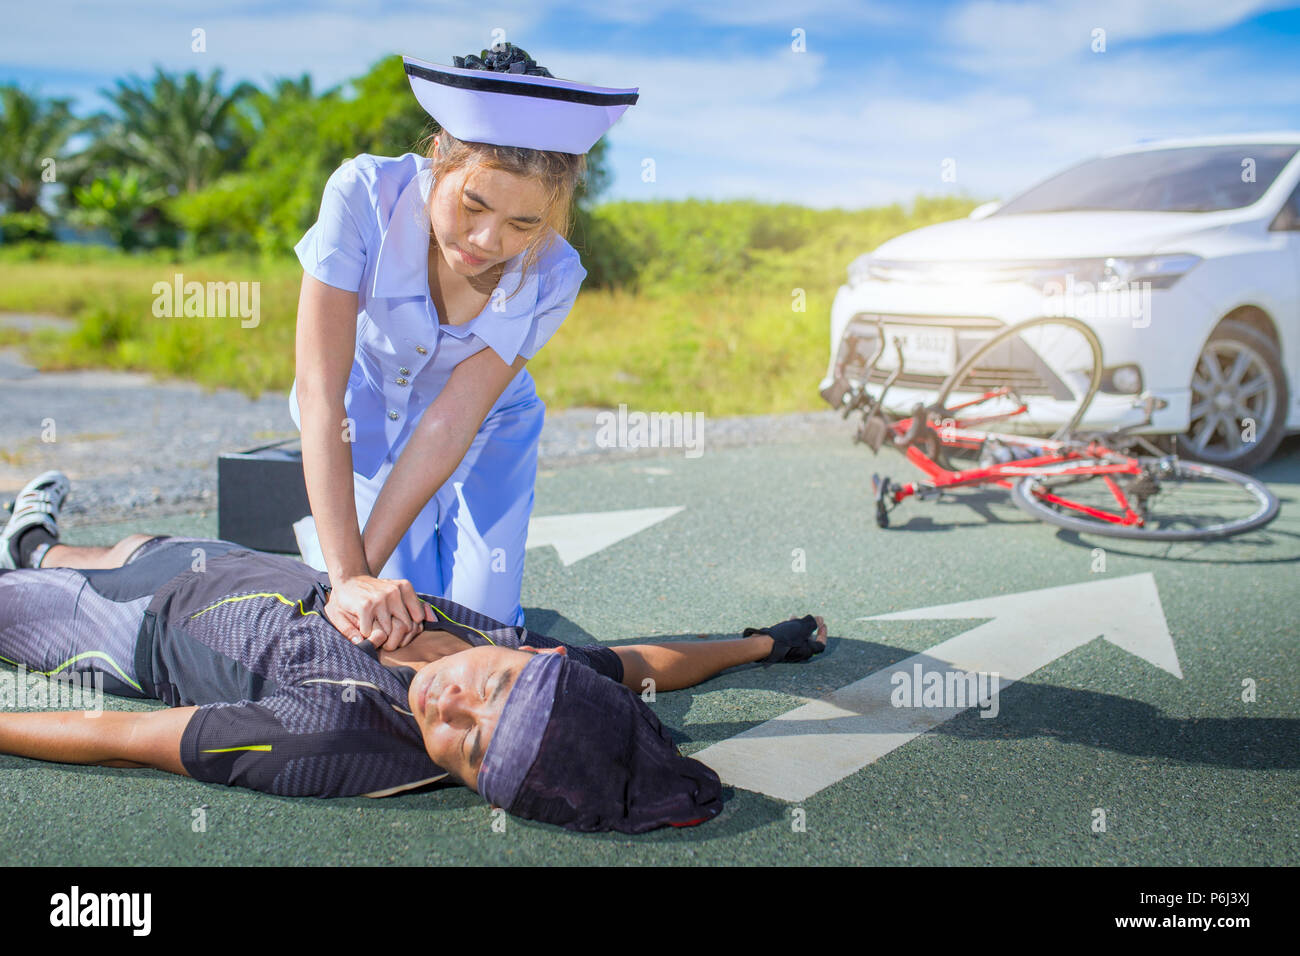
column 371, row 237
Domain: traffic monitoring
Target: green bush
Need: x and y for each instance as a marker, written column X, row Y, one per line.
column 689, row 304
column 31, row 227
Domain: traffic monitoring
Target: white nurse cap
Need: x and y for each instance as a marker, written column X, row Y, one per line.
column 487, row 105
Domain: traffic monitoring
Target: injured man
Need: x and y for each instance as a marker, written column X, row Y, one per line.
column 263, row 691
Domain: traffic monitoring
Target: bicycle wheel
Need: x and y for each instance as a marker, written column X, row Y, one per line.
column 1176, row 500
column 1050, row 368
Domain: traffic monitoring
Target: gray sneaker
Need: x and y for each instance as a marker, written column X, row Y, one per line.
column 37, row 504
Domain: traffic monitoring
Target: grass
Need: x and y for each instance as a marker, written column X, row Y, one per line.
column 756, row 344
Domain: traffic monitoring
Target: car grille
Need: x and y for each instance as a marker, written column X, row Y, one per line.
column 1013, row 364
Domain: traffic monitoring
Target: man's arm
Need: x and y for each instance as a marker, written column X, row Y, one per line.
column 681, row 664
column 113, row 738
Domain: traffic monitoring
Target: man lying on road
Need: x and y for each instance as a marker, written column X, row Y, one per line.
column 265, row 692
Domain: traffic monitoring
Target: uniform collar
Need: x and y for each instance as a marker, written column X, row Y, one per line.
column 402, row 269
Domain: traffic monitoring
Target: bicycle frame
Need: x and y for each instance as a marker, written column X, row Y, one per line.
column 1061, row 458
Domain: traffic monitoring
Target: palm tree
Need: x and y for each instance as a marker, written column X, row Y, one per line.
column 32, row 130
column 182, row 131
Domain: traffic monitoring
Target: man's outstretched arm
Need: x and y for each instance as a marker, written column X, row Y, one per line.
column 685, row 664
column 114, row 738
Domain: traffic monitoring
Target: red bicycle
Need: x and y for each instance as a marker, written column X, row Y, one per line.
column 1037, row 380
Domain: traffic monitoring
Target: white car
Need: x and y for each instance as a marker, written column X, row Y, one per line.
column 1183, row 256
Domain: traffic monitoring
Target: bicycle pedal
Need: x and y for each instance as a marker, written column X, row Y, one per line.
column 872, row 433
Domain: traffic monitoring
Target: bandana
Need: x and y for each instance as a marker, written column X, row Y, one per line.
column 575, row 749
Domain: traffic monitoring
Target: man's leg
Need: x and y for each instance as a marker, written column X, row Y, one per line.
column 70, row 619
column 91, row 556
column 53, row 623
column 30, row 538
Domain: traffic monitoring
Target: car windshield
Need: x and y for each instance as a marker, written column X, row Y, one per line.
column 1186, row 179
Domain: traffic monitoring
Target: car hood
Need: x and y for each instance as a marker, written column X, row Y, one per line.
column 1054, row 235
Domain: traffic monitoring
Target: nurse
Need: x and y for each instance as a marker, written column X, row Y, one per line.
column 430, row 281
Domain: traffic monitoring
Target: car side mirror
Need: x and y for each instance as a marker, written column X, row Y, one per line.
column 984, row 210
column 1286, row 220
column 1288, row 217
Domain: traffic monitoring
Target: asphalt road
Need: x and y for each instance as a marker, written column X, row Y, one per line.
column 1185, row 771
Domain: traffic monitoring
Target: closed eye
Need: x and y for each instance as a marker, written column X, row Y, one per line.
column 471, row 209
column 478, row 734
column 476, row 751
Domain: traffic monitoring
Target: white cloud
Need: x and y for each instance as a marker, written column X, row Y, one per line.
column 996, row 36
column 332, row 41
column 755, row 118
column 746, row 13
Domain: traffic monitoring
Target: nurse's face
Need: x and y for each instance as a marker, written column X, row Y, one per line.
column 500, row 213
column 458, row 700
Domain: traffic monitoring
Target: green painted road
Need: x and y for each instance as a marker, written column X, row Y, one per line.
column 1186, row 772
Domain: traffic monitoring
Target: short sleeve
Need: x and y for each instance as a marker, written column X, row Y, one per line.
column 554, row 306
column 598, row 657
column 333, row 250
column 305, row 743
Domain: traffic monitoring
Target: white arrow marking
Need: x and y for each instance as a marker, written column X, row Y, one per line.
column 806, row 750
column 576, row 536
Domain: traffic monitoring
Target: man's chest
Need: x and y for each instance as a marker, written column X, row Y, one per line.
column 425, row 648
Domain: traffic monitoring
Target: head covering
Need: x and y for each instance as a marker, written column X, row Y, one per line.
column 506, row 99
column 574, row 748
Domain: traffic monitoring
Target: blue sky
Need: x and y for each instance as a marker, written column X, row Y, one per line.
column 883, row 94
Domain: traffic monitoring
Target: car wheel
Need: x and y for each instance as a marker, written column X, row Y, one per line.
column 1238, row 380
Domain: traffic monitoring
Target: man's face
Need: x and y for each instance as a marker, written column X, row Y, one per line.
column 457, row 702
column 499, row 214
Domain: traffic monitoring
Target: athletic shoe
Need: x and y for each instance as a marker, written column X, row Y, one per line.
column 37, row 504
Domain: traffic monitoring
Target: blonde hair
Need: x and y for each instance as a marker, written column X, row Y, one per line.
column 557, row 173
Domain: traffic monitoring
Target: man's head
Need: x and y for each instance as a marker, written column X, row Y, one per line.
column 458, row 701
column 550, row 739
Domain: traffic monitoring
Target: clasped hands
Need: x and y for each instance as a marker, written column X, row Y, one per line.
column 383, row 611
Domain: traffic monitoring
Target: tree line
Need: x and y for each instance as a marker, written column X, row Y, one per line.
column 188, row 161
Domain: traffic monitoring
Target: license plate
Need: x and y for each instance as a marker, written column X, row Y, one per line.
column 927, row 351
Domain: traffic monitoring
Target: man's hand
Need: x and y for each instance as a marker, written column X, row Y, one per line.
column 383, row 611
column 796, row 639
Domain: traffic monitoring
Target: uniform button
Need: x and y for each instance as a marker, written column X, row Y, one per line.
column 393, row 415
column 400, row 381
column 422, row 350
column 403, row 371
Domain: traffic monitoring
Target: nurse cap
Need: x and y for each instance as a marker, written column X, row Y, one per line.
column 506, row 99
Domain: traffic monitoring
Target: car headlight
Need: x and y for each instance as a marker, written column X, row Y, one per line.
column 1113, row 272
column 860, row 270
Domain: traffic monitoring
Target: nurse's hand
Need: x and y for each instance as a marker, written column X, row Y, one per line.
column 384, row 611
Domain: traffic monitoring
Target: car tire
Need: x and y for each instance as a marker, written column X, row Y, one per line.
column 1209, row 436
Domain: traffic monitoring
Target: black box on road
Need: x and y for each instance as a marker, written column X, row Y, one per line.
column 260, row 494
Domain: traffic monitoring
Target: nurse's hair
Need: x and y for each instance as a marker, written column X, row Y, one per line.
column 557, row 173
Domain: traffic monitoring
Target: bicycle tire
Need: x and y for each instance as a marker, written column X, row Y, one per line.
column 1025, row 499
column 972, row 360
